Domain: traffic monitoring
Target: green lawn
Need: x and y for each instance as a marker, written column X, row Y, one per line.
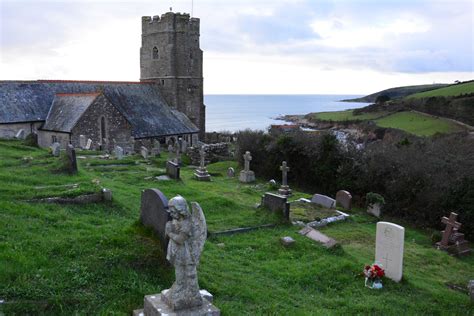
column 453, row 90
column 96, row 260
column 418, row 124
column 346, row 115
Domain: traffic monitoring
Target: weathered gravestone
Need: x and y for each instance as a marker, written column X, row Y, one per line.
column 56, row 149
column 247, row 175
column 20, row 134
column 284, row 188
column 344, row 199
column 470, row 287
column 72, row 161
column 156, row 150
column 316, row 235
column 144, row 152
column 201, row 173
column 82, row 141
column 118, row 151
column 323, row 200
column 172, row 170
column 276, row 203
column 154, row 214
column 453, row 241
column 230, row 172
column 390, row 239
column 89, row 144
column 177, row 151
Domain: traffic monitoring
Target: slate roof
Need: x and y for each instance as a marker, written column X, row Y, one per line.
column 66, row 111
column 140, row 102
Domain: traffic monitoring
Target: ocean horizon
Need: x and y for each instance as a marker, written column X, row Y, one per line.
column 234, row 112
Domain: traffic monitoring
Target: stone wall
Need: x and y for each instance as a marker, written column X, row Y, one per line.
column 47, row 138
column 116, row 126
column 10, row 130
column 214, row 153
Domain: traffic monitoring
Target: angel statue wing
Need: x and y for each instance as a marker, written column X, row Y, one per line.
column 199, row 230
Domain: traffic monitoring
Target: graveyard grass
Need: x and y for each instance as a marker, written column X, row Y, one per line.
column 95, row 259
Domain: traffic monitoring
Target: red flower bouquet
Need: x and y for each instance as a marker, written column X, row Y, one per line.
column 373, row 276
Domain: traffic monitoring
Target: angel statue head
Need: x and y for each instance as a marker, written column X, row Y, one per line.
column 177, row 207
column 187, row 234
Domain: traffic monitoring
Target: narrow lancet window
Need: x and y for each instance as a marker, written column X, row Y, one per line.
column 155, row 53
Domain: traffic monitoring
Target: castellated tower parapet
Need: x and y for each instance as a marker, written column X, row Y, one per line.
column 170, row 56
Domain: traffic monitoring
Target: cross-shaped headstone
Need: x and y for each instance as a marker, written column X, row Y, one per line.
column 202, row 152
column 386, row 260
column 247, row 158
column 450, row 225
column 284, row 173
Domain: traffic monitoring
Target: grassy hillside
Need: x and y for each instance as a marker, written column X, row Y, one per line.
column 450, row 91
column 94, row 259
column 418, row 124
column 347, row 115
column 398, row 92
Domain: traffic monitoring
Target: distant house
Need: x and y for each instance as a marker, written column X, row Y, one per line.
column 166, row 104
column 61, row 111
column 285, row 128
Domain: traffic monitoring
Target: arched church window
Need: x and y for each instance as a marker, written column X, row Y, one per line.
column 155, row 53
column 102, row 129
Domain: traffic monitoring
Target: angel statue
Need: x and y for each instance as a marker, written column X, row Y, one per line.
column 187, row 235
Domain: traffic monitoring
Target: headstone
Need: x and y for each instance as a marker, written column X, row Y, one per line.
column 201, row 173
column 184, row 145
column 107, row 194
column 284, row 188
column 375, row 209
column 453, row 241
column 323, row 200
column 187, row 232
column 20, row 134
column 177, row 151
column 470, row 287
column 172, row 170
column 118, row 151
column 170, row 148
column 89, row 144
column 247, row 175
column 287, row 241
column 56, row 149
column 276, row 203
column 389, row 246
column 144, row 152
column 154, row 214
column 230, row 172
column 132, row 144
column 71, row 156
column 156, row 150
column 82, row 141
column 344, row 199
column 316, row 235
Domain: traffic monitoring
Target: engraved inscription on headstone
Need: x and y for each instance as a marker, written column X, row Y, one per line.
column 389, row 249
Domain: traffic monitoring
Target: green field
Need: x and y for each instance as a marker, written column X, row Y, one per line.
column 451, row 91
column 96, row 260
column 418, row 124
column 346, row 115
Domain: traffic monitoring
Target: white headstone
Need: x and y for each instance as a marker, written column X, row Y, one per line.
column 89, row 144
column 56, row 149
column 389, row 249
column 82, row 141
column 118, row 152
column 323, row 200
column 20, row 134
column 144, row 152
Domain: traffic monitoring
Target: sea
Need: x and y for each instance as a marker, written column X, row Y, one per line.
column 230, row 112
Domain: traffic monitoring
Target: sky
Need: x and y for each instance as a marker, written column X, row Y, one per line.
column 250, row 47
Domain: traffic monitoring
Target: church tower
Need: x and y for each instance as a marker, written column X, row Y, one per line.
column 170, row 56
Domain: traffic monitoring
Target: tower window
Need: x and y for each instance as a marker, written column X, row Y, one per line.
column 155, row 53
column 162, row 82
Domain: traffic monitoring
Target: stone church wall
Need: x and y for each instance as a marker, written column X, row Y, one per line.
column 89, row 125
column 47, row 138
column 10, row 130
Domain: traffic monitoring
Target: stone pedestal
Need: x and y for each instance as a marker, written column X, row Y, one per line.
column 155, row 305
column 202, row 175
column 284, row 190
column 247, row 176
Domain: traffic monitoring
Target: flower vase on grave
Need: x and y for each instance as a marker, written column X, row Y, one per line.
column 373, row 283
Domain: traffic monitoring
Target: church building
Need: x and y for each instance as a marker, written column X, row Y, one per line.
column 166, row 104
